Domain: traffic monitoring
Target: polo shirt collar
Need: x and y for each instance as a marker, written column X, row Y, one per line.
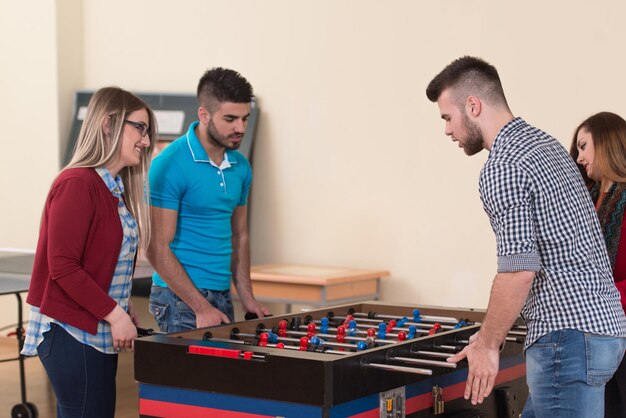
column 198, row 153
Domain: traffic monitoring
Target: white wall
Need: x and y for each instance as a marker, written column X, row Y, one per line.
column 351, row 164
column 69, row 50
column 28, row 117
column 29, row 128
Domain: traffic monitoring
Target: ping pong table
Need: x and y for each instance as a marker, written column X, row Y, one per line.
column 15, row 269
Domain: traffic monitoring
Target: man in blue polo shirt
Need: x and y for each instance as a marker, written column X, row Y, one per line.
column 199, row 188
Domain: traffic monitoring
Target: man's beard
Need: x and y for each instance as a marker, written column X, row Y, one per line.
column 474, row 143
column 220, row 140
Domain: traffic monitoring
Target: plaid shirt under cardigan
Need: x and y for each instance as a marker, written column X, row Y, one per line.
column 119, row 289
column 545, row 222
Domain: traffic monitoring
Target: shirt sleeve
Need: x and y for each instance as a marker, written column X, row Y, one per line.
column 507, row 195
column 71, row 212
column 621, row 287
column 165, row 179
column 245, row 189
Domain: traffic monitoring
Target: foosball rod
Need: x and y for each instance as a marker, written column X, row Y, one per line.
column 518, row 340
column 297, row 340
column 347, row 337
column 420, row 325
column 293, row 347
column 404, row 369
column 424, row 362
column 334, row 336
column 287, row 347
column 433, row 318
column 435, row 353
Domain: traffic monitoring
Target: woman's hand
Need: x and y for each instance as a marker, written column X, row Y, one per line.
column 123, row 329
column 134, row 315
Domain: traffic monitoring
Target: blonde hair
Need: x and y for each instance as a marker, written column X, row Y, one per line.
column 94, row 148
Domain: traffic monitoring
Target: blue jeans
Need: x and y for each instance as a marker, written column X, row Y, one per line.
column 566, row 372
column 83, row 378
column 174, row 315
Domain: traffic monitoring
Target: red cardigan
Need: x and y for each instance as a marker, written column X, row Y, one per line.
column 79, row 243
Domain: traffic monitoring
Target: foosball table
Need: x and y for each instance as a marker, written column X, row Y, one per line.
column 361, row 360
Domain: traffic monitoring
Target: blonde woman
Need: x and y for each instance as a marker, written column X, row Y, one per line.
column 94, row 217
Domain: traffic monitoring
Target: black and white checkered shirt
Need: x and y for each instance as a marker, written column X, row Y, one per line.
column 545, row 222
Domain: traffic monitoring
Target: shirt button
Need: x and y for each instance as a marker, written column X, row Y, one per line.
column 221, row 184
column 219, row 172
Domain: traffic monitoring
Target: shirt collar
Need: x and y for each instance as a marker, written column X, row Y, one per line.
column 505, row 131
column 115, row 185
column 199, row 154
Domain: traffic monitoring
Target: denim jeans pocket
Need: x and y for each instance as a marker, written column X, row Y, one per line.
column 604, row 354
column 159, row 311
column 45, row 346
column 208, row 295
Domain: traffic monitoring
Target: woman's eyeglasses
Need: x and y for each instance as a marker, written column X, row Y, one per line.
column 140, row 126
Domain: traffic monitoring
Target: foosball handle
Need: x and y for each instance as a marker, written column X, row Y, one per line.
column 251, row 315
column 143, row 332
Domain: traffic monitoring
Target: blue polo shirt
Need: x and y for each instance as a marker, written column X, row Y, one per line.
column 184, row 179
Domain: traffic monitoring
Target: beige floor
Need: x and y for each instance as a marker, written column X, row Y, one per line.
column 39, row 392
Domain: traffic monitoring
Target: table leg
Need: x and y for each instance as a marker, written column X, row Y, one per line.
column 20, row 344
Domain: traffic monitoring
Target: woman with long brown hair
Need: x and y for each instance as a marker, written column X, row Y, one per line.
column 599, row 147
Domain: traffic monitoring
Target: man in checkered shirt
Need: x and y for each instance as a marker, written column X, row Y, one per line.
column 552, row 262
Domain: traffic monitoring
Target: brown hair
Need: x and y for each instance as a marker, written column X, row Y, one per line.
column 608, row 132
column 468, row 76
column 219, row 85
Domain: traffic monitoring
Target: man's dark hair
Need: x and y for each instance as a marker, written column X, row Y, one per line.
column 468, row 76
column 219, row 85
